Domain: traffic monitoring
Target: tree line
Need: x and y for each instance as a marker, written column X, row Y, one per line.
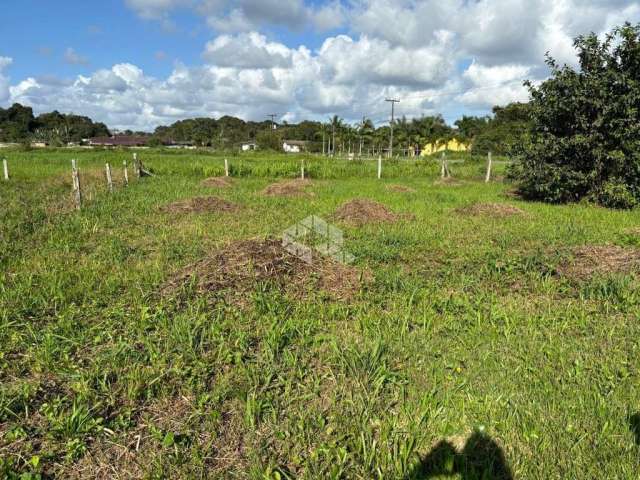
column 19, row 125
column 488, row 133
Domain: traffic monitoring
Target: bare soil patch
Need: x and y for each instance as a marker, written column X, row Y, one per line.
column 400, row 189
column 200, row 205
column 498, row 210
column 592, row 260
column 288, row 188
column 240, row 266
column 361, row 211
column 217, row 182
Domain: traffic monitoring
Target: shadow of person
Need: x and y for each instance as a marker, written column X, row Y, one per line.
column 480, row 459
column 634, row 426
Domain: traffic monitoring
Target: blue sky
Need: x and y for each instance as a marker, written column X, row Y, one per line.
column 142, row 63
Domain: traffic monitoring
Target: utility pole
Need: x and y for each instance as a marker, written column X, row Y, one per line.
column 393, row 103
column 323, row 143
column 333, row 141
column 273, row 116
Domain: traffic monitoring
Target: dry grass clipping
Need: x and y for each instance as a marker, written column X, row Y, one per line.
column 448, row 182
column 361, row 211
column 593, row 260
column 239, row 267
column 400, row 189
column 200, row 205
column 498, row 210
column 130, row 455
column 288, row 188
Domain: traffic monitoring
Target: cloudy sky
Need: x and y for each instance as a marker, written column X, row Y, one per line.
column 141, row 63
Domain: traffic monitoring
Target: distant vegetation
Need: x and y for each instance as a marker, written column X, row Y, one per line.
column 585, row 139
column 17, row 124
column 488, row 133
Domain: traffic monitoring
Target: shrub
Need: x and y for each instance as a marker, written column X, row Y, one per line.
column 585, row 138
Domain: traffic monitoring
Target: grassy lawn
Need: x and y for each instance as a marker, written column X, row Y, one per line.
column 465, row 353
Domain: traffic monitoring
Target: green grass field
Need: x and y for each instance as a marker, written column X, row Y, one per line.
column 467, row 355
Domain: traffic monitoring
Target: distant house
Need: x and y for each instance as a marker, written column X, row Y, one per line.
column 119, row 141
column 294, row 146
column 183, row 144
column 248, row 146
column 453, row 145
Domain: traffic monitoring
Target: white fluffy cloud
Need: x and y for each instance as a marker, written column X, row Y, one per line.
column 246, row 51
column 494, row 85
column 437, row 57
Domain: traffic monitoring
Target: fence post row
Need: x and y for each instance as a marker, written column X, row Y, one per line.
column 109, row 179
column 5, row 167
column 77, row 193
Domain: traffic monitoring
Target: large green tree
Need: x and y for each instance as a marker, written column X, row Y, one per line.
column 585, row 140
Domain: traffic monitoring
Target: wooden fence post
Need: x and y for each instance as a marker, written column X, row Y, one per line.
column 107, row 168
column 126, row 173
column 77, row 192
column 5, row 167
column 302, row 169
column 226, row 167
column 443, row 170
column 489, row 162
column 379, row 167
column 136, row 166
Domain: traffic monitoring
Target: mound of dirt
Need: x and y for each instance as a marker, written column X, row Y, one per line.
column 240, row 266
column 498, row 210
column 200, row 205
column 592, row 260
column 400, row 189
column 217, row 182
column 287, row 188
column 361, row 211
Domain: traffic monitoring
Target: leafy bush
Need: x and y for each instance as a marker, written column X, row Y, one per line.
column 585, row 138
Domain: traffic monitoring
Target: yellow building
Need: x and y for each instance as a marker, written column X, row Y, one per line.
column 453, row 145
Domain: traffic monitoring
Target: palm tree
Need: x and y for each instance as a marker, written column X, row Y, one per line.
column 365, row 132
column 336, row 125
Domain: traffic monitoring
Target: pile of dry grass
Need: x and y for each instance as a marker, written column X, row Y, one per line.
column 288, row 188
column 240, row 266
column 498, row 210
column 217, row 182
column 400, row 189
column 591, row 260
column 200, row 205
column 361, row 211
